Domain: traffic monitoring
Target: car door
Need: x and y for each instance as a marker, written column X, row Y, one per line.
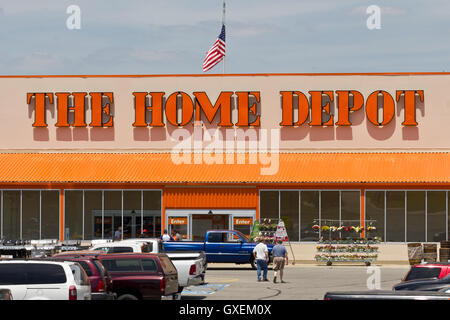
column 222, row 247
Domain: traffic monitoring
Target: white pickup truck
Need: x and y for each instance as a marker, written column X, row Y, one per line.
column 190, row 265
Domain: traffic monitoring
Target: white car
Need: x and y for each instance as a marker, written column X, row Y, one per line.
column 191, row 266
column 44, row 280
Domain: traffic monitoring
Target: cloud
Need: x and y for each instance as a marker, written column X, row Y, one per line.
column 38, row 62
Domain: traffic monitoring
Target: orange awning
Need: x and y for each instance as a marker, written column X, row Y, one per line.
column 288, row 168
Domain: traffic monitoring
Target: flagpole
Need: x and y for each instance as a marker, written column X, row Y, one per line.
column 223, row 23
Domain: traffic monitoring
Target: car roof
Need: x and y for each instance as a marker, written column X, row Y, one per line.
column 79, row 253
column 433, row 264
column 132, row 254
column 34, row 261
column 117, row 243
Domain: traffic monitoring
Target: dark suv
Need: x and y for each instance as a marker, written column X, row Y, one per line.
column 141, row 276
column 101, row 283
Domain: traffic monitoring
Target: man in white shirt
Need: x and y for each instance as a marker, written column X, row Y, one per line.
column 165, row 236
column 261, row 255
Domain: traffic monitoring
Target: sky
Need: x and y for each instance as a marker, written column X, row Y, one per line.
column 262, row 36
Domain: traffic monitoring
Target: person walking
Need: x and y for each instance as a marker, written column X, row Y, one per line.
column 261, row 255
column 280, row 259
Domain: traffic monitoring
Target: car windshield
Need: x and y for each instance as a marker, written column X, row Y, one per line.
column 422, row 273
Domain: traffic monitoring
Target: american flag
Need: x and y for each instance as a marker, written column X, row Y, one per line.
column 216, row 53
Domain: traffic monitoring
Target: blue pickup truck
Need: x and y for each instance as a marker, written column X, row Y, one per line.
column 224, row 246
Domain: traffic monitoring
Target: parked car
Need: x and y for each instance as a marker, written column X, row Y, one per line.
column 123, row 247
column 426, row 277
column 386, row 295
column 101, row 282
column 44, row 280
column 224, row 246
column 190, row 265
column 142, row 276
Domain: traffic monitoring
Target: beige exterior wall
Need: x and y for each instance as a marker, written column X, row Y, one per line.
column 433, row 115
column 388, row 254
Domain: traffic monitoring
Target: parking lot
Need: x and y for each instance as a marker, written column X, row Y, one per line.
column 303, row 282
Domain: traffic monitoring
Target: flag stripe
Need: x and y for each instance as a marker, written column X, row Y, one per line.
column 216, row 53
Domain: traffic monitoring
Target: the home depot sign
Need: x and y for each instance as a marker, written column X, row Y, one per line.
column 180, row 108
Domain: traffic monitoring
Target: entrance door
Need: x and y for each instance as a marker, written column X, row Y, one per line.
column 204, row 222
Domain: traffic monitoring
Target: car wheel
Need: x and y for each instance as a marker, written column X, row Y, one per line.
column 127, row 297
column 253, row 263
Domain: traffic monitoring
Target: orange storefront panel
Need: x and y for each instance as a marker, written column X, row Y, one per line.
column 293, row 168
column 207, row 198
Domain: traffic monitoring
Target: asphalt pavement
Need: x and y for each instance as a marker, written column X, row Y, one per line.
column 303, row 282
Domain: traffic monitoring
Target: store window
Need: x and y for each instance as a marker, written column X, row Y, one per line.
column 269, row 204
column 132, row 226
column 31, row 215
column 415, row 216
column 11, row 215
column 50, row 215
column 106, row 211
column 374, row 201
column 350, row 205
column 93, row 218
column 73, row 215
column 436, row 216
column 395, row 216
column 329, row 204
column 152, row 213
column 309, row 209
column 289, row 213
column 112, row 215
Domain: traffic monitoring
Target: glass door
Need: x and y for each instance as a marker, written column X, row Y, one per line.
column 179, row 225
column 243, row 224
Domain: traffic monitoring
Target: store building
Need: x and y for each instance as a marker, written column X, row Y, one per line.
column 82, row 155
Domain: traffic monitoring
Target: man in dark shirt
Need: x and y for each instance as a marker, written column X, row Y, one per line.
column 280, row 259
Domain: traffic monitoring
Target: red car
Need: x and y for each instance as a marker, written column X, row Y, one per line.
column 428, row 270
column 426, row 277
column 101, row 282
column 142, row 276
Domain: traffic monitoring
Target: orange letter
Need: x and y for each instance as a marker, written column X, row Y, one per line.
column 78, row 107
column 287, row 107
column 244, row 109
column 98, row 109
column 223, row 102
column 187, row 109
column 141, row 108
column 372, row 108
column 410, row 105
column 343, row 105
column 39, row 107
column 317, row 108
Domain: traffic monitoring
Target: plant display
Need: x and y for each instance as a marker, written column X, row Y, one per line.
column 268, row 225
column 267, row 237
column 345, row 244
